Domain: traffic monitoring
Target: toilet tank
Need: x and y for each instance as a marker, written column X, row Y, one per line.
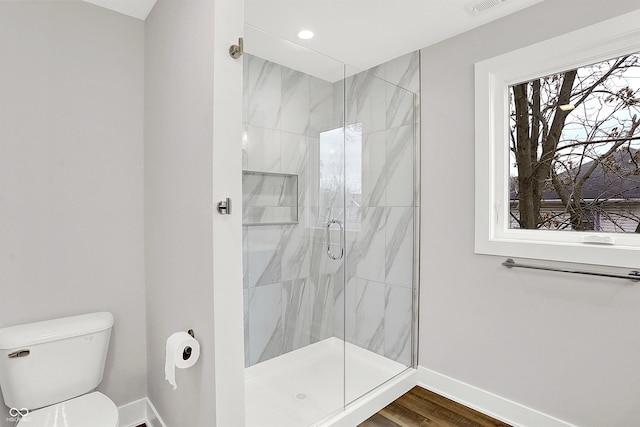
column 44, row 363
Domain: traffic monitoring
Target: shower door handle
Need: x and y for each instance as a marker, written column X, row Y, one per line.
column 341, row 226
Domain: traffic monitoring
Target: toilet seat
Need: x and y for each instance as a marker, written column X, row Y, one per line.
column 93, row 409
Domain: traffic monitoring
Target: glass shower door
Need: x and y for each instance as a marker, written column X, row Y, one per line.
column 379, row 223
column 328, row 217
column 293, row 239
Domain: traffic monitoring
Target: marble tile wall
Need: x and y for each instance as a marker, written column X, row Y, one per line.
column 378, row 297
column 269, row 198
column 294, row 294
column 286, row 307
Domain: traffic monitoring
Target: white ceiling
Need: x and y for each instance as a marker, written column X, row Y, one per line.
column 359, row 33
column 364, row 33
column 136, row 8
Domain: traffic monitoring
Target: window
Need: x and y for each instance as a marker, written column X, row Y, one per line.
column 340, row 172
column 558, row 148
column 574, row 148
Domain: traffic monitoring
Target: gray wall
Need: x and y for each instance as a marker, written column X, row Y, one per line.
column 567, row 346
column 178, row 203
column 71, row 212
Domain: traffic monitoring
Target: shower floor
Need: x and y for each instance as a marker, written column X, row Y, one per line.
column 300, row 388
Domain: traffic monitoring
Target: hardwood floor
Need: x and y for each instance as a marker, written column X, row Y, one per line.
column 420, row 407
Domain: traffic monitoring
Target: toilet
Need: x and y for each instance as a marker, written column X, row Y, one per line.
column 49, row 371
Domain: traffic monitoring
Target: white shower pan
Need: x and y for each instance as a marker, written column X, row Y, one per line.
column 306, row 387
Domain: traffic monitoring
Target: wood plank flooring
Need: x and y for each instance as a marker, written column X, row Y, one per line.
column 420, row 407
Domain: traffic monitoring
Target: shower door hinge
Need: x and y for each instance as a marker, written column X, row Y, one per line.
column 236, row 50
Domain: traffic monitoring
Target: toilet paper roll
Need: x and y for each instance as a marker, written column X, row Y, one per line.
column 183, row 352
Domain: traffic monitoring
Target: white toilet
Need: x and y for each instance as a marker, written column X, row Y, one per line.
column 51, row 368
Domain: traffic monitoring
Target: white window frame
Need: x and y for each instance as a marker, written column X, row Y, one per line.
column 493, row 77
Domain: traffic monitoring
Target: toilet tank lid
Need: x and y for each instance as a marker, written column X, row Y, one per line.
column 52, row 330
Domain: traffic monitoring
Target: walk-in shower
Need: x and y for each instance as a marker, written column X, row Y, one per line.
column 329, row 231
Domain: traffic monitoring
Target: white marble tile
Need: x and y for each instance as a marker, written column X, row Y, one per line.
column 284, row 215
column 317, row 259
column 258, row 215
column 370, row 245
column 294, row 149
column 399, row 246
column 343, row 106
column 258, row 190
column 351, row 242
column 296, row 313
column 399, row 166
column 265, row 323
column 321, row 107
column 295, row 249
column 295, row 106
column 380, row 71
column 369, row 93
column 399, row 106
column 404, row 71
column 370, row 315
column 398, row 312
column 295, row 160
column 264, row 255
column 346, row 303
column 320, row 263
column 322, row 303
column 416, row 153
column 373, row 163
column 313, row 174
column 264, row 92
column 263, row 149
column 339, row 310
column 353, row 164
column 288, row 196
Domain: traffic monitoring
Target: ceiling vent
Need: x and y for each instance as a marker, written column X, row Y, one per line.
column 483, row 5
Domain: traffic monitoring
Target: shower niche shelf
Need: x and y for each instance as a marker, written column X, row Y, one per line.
column 269, row 198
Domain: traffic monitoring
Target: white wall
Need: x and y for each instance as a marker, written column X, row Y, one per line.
column 193, row 256
column 567, row 346
column 71, row 145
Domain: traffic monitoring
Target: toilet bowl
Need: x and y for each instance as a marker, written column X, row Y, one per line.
column 93, row 409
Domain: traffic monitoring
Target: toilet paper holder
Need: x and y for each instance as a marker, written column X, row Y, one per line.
column 186, row 353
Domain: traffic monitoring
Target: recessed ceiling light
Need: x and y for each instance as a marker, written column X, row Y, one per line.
column 567, row 107
column 305, row 34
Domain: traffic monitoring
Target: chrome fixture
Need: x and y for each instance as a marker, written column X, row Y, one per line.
column 341, row 227
column 633, row 275
column 236, row 50
column 224, row 206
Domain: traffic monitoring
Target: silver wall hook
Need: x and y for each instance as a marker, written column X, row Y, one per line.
column 224, row 206
column 236, row 50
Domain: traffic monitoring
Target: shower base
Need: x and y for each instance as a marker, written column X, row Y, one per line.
column 303, row 387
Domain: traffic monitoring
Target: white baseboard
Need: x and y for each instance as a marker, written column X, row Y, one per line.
column 138, row 412
column 486, row 402
column 375, row 400
column 142, row 411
